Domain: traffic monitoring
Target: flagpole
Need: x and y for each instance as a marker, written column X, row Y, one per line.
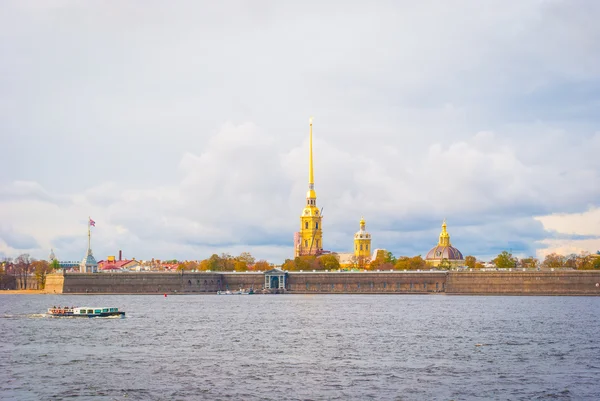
column 89, row 233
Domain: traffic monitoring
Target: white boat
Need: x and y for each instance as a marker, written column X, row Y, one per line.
column 84, row 311
column 238, row 292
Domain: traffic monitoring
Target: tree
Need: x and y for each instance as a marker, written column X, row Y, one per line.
column 55, row 265
column 329, row 262
column 553, row 260
column 530, row 262
column 444, row 264
column 262, row 265
column 41, row 269
column 479, row 265
column 470, row 261
column 23, row 269
column 505, row 260
column 240, row 266
column 402, row 263
column 246, row 258
column 416, row 263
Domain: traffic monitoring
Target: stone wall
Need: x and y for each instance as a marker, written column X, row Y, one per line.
column 570, row 282
column 141, row 283
column 245, row 280
column 366, row 282
column 55, row 283
column 498, row 282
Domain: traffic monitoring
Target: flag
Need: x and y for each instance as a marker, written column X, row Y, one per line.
column 92, row 223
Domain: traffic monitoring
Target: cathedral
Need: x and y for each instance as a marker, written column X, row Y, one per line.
column 309, row 240
column 444, row 252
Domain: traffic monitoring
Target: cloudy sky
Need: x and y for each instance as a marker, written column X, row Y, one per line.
column 181, row 127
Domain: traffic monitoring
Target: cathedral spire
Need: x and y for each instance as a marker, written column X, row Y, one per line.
column 444, row 236
column 311, row 177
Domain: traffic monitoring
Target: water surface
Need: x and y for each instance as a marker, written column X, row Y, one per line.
column 288, row 347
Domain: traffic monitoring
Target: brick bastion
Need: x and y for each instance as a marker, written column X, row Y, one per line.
column 570, row 282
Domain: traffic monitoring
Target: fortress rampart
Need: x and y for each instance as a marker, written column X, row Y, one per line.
column 393, row 282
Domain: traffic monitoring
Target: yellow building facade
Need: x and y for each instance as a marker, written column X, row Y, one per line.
column 362, row 242
column 309, row 240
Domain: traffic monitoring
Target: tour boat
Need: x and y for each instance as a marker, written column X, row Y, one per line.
column 84, row 311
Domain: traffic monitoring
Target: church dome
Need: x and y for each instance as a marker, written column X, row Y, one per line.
column 444, row 252
column 444, row 249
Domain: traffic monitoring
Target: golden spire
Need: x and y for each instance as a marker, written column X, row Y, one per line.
column 362, row 223
column 311, row 178
column 444, row 236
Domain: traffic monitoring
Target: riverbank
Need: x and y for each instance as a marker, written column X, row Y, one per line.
column 12, row 292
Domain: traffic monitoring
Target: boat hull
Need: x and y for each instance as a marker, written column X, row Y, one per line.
column 70, row 314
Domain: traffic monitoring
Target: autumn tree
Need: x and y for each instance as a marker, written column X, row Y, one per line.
column 417, row 263
column 470, row 262
column 444, row 264
column 240, row 266
column 262, row 265
column 402, row 263
column 530, row 262
column 41, row 268
column 329, row 262
column 246, row 257
column 553, row 260
column 23, row 269
column 505, row 260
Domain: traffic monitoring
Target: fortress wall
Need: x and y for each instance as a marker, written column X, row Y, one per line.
column 141, row 283
column 235, row 281
column 55, row 283
column 524, row 283
column 499, row 282
column 370, row 282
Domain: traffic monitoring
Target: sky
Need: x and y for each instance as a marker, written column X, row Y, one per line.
column 181, row 128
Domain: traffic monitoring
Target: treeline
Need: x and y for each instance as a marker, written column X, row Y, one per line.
column 25, row 268
column 583, row 261
column 226, row 262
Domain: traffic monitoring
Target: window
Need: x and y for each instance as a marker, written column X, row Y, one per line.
column 306, row 224
column 317, row 226
column 367, row 247
column 306, row 243
column 361, row 247
column 90, row 311
column 97, row 311
column 105, row 310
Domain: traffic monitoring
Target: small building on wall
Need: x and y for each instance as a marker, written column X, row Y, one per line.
column 275, row 279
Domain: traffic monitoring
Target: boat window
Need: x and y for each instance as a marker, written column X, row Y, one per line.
column 98, row 311
column 105, row 310
column 82, row 311
column 90, row 311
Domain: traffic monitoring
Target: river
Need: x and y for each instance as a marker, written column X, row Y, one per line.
column 309, row 347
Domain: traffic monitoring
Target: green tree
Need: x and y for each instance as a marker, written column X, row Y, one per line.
column 470, row 261
column 55, row 265
column 505, row 260
column 444, row 264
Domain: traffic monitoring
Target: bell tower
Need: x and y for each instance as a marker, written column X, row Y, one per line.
column 362, row 244
column 309, row 240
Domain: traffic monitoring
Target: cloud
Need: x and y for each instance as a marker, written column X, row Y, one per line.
column 183, row 130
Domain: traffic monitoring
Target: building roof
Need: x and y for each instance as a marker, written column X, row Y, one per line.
column 116, row 265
